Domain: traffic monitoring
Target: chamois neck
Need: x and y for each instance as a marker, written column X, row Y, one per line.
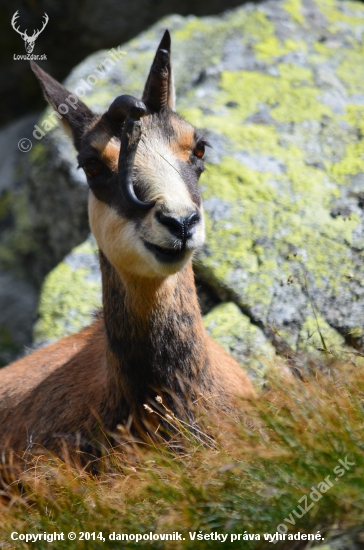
column 156, row 338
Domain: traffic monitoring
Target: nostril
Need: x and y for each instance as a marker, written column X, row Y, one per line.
column 179, row 227
column 174, row 225
column 192, row 220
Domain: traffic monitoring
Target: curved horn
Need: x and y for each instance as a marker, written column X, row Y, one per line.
column 157, row 92
column 120, row 107
column 133, row 109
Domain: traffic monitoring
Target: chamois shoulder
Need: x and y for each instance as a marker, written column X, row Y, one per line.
column 39, row 366
column 48, row 395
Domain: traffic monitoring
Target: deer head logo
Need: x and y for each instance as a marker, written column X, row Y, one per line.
column 29, row 40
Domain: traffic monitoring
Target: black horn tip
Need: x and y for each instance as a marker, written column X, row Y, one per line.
column 165, row 43
column 136, row 203
column 137, row 111
column 162, row 59
column 130, row 197
column 126, row 105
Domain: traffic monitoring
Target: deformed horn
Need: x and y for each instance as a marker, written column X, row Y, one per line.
column 120, row 107
column 158, row 86
column 131, row 110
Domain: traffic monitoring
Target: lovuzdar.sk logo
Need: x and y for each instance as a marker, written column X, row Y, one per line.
column 29, row 41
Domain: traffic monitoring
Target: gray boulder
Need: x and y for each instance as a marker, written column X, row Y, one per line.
column 278, row 89
column 18, row 292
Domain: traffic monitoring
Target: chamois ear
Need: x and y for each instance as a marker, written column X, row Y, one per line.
column 72, row 112
column 159, row 88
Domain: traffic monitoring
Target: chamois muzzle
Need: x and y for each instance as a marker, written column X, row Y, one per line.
column 129, row 109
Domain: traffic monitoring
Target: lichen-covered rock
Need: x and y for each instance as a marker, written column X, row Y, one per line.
column 56, row 195
column 278, row 87
column 227, row 325
column 18, row 292
column 286, row 191
column 71, row 294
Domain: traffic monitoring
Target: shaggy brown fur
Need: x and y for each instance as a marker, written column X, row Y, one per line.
column 149, row 342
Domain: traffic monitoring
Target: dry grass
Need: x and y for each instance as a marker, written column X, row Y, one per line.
column 250, row 477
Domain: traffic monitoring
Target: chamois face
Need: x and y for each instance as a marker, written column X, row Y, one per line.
column 148, row 219
column 159, row 241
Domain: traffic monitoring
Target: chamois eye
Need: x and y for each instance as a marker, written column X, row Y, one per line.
column 92, row 168
column 199, row 150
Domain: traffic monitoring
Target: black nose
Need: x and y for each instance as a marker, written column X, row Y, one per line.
column 182, row 228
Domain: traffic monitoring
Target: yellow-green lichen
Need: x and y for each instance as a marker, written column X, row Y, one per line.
column 191, row 28
column 310, row 338
column 324, row 51
column 351, row 164
column 68, row 299
column 354, row 115
column 291, row 96
column 235, row 333
column 258, row 209
column 253, row 26
column 272, row 47
column 294, row 8
column 338, row 17
column 349, row 72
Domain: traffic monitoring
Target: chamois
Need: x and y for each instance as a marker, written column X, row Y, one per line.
column 142, row 162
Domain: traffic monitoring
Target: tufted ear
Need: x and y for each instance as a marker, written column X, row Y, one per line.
column 71, row 111
column 159, row 88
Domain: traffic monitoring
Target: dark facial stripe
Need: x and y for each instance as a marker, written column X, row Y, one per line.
column 102, row 145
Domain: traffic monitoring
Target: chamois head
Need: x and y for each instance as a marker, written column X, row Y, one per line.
column 142, row 163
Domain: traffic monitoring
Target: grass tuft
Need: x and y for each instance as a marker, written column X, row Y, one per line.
column 235, row 475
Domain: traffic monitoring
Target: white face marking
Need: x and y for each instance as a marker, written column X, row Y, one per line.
column 157, row 167
column 123, row 243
